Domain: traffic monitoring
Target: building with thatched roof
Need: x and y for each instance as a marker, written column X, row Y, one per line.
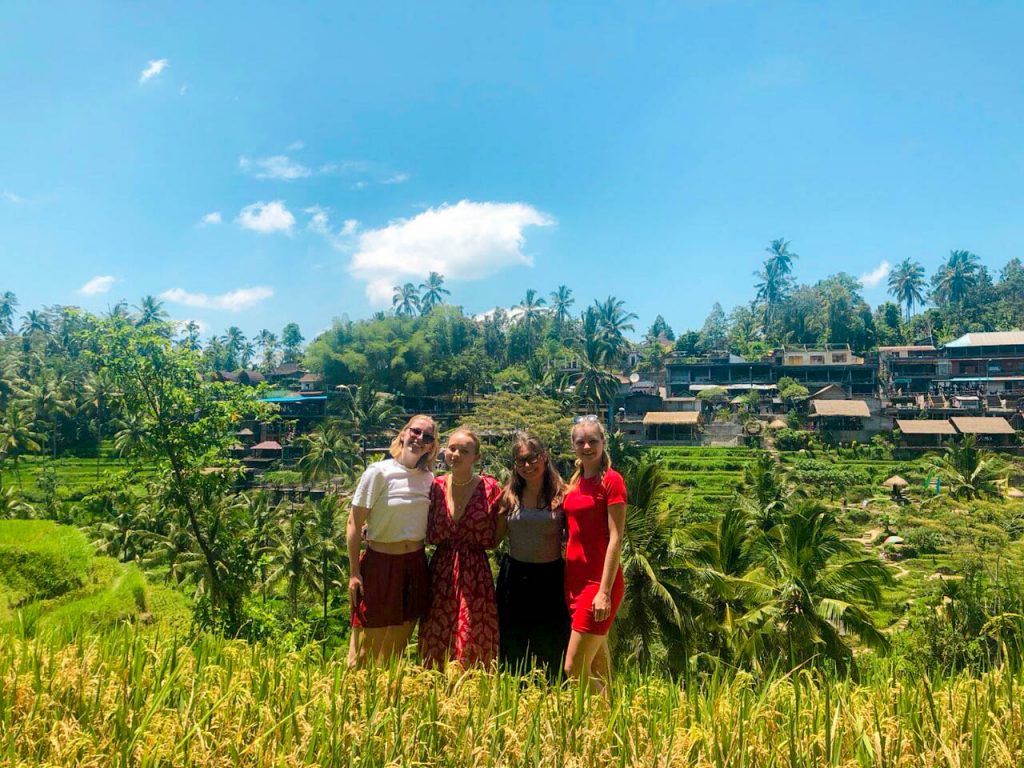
column 674, row 426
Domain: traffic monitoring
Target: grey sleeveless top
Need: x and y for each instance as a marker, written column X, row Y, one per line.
column 535, row 535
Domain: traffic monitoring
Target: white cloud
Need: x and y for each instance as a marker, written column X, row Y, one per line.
column 10, row 197
column 153, row 68
column 465, row 241
column 183, row 90
column 877, row 275
column 181, row 325
column 295, row 146
column 319, row 221
column 349, row 227
column 213, row 217
column 396, row 178
column 232, row 301
column 98, row 284
column 275, row 167
column 266, row 218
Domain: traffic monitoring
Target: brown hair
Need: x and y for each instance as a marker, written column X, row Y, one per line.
column 427, row 459
column 606, row 460
column 552, row 489
column 468, row 433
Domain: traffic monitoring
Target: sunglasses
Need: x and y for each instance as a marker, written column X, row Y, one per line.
column 525, row 461
column 588, row 418
column 424, row 437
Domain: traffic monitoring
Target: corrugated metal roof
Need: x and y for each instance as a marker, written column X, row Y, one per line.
column 991, row 339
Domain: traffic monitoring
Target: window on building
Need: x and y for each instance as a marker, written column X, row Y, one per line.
column 839, row 357
column 817, row 359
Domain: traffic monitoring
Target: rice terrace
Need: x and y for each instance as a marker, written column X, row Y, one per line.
column 471, row 409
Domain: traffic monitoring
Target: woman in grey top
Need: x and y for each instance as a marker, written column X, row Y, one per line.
column 533, row 620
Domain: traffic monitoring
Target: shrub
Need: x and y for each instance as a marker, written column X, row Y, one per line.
column 41, row 559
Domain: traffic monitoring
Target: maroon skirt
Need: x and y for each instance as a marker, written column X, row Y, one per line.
column 396, row 589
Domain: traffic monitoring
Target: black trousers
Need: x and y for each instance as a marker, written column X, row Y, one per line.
column 533, row 621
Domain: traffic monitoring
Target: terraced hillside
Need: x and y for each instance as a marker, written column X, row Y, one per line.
column 704, row 477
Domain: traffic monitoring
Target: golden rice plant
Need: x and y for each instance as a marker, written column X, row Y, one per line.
column 127, row 699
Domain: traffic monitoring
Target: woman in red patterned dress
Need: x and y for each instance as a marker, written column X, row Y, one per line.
column 595, row 513
column 462, row 623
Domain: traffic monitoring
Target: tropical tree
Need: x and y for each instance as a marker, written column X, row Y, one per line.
column 368, row 415
column 190, row 335
column 531, row 311
column 821, row 584
column 328, row 453
column 296, row 556
column 17, row 437
column 775, row 277
column 328, row 517
column 955, row 277
column 613, row 322
column 98, row 393
column 234, row 346
column 150, row 312
column 13, row 505
column 969, row 471
column 433, row 292
column 907, row 284
column 50, row 402
column 291, row 342
column 35, row 322
column 561, row 301
column 8, row 303
column 267, row 343
column 405, row 300
column 659, row 605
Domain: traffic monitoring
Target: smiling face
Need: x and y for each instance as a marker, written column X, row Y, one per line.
column 461, row 452
column 417, row 439
column 588, row 443
column 530, row 464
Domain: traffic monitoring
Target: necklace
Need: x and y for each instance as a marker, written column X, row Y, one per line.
column 457, row 484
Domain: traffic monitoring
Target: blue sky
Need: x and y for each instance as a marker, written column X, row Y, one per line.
column 258, row 163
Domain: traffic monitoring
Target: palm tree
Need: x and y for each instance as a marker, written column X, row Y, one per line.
column 327, row 516
column 969, row 471
column 613, row 322
column 234, row 346
column 658, row 606
column 151, row 312
column 821, row 584
column 50, row 402
column 13, row 506
column 133, row 435
column 531, row 311
column 433, row 292
column 561, row 301
column 34, row 321
column 328, row 453
column 17, row 436
column 191, row 337
column 8, row 303
column 405, row 300
column 296, row 556
column 267, row 343
column 98, row 390
column 956, row 276
column 775, row 276
column 907, row 283
column 368, row 415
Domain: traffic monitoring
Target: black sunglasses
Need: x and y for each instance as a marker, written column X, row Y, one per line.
column 425, row 437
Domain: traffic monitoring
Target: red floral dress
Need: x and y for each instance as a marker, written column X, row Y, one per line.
column 462, row 624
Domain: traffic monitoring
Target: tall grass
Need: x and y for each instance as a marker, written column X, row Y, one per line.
column 124, row 698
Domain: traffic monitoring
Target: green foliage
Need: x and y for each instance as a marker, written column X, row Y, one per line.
column 498, row 417
column 40, row 559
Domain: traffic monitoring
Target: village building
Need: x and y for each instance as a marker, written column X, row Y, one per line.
column 925, row 433
column 987, row 363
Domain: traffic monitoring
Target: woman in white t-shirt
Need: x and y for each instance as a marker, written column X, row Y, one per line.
column 389, row 586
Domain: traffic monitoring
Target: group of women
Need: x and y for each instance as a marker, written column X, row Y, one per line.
column 559, row 585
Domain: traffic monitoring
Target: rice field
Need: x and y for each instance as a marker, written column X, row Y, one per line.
column 126, row 698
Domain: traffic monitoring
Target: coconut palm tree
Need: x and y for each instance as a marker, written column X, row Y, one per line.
column 296, row 556
column 8, row 303
column 907, row 284
column 49, row 401
column 433, row 292
column 775, row 276
column 821, row 583
column 659, row 606
column 969, row 471
column 561, row 301
column 33, row 322
column 368, row 415
column 328, row 521
column 13, row 506
column 98, row 392
column 956, row 276
column 150, row 312
column 328, row 453
column 405, row 300
column 17, row 436
column 234, row 347
column 613, row 321
column 133, row 435
column 267, row 343
column 190, row 337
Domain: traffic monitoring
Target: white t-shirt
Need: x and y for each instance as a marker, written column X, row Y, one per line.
column 398, row 499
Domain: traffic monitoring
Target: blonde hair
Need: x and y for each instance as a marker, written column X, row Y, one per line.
column 468, row 433
column 430, row 455
column 553, row 488
column 606, row 460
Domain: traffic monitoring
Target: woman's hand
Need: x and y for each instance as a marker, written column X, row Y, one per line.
column 355, row 591
column 602, row 606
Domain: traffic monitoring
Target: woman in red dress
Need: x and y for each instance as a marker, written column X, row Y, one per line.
column 462, row 623
column 595, row 513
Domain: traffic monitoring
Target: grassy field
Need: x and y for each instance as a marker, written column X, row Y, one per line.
column 127, row 698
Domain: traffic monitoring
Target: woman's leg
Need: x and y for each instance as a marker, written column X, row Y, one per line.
column 602, row 665
column 579, row 659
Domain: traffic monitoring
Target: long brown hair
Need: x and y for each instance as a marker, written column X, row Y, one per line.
column 427, row 459
column 553, row 487
column 606, row 460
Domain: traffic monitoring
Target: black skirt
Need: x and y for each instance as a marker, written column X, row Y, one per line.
column 533, row 620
